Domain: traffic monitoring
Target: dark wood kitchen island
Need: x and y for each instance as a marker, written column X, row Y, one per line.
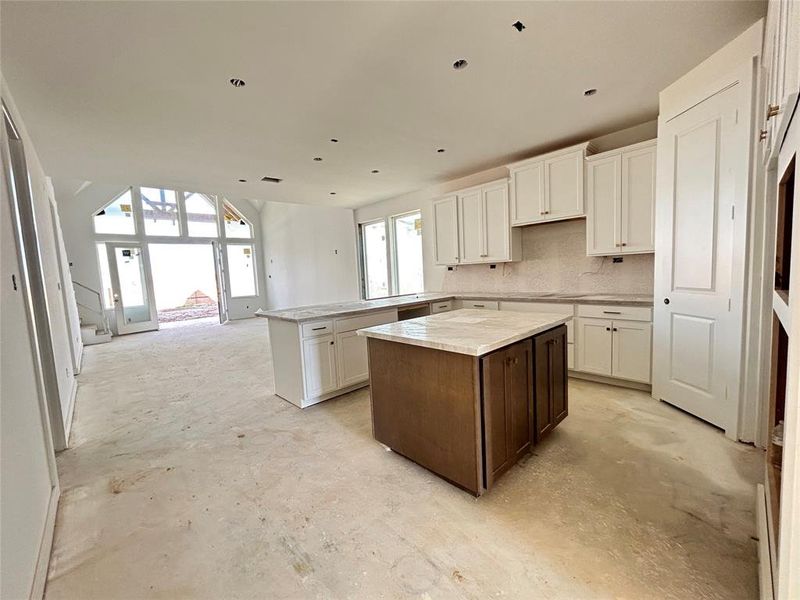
column 466, row 393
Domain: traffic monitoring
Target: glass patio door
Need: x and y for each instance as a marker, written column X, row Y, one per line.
column 219, row 267
column 132, row 289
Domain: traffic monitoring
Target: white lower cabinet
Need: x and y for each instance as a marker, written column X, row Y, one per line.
column 319, row 365
column 615, row 348
column 351, row 356
column 594, row 355
column 630, row 353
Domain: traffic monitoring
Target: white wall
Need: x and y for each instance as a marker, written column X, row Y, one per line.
column 423, row 199
column 310, row 254
column 78, row 201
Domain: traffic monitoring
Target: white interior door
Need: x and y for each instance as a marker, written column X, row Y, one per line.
column 702, row 155
column 132, row 288
column 222, row 294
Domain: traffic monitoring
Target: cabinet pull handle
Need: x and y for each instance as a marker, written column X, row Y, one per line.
column 318, row 328
column 478, row 306
column 612, row 312
column 608, row 328
column 331, row 343
column 773, row 110
column 615, row 329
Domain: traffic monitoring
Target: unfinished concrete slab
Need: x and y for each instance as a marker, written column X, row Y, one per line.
column 188, row 478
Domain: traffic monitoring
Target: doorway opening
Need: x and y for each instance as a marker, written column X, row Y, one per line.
column 185, row 283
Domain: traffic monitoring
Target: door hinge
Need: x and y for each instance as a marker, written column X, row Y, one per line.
column 733, row 211
column 729, row 305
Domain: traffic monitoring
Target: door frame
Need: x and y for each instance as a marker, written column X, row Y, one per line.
column 219, row 271
column 121, row 327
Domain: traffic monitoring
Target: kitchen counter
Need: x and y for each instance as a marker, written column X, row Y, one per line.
column 340, row 309
column 467, row 331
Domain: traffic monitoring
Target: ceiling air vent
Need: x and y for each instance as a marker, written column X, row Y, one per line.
column 271, row 179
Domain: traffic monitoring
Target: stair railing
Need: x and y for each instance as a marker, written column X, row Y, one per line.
column 100, row 311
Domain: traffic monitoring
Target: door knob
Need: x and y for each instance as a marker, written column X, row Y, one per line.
column 666, row 300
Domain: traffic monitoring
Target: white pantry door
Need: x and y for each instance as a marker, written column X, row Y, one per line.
column 697, row 340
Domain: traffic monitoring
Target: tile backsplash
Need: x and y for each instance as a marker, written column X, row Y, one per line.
column 554, row 260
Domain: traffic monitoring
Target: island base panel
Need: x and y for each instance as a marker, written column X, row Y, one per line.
column 426, row 406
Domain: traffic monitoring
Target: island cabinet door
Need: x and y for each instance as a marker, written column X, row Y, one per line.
column 319, row 365
column 550, row 381
column 508, row 400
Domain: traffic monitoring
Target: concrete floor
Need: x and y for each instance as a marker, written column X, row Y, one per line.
column 187, row 478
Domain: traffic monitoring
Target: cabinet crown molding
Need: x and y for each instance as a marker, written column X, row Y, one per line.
column 630, row 148
column 587, row 148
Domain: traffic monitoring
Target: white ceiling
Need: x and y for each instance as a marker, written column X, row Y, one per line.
column 138, row 92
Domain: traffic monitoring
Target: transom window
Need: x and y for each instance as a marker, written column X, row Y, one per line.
column 236, row 226
column 160, row 212
column 201, row 215
column 116, row 217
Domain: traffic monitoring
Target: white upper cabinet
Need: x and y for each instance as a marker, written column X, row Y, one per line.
column 445, row 230
column 473, row 226
column 620, row 200
column 496, row 229
column 781, row 60
column 549, row 187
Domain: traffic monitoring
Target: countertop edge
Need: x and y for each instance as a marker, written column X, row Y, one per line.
column 479, row 351
column 456, row 296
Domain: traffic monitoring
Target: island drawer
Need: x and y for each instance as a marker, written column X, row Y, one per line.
column 630, row 313
column 441, row 306
column 361, row 321
column 485, row 304
column 317, row 328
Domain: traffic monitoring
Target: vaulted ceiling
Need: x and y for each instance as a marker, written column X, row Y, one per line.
column 139, row 92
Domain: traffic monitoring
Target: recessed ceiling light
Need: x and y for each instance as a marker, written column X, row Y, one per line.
column 334, row 140
column 519, row 25
column 236, row 82
column 269, row 179
column 375, row 171
column 243, row 181
column 318, row 158
column 440, row 150
column 461, row 63
column 590, row 92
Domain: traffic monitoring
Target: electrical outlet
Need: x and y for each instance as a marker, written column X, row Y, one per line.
column 617, row 259
column 492, row 266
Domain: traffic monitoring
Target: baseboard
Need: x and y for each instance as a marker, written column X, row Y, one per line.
column 46, row 546
column 766, row 591
column 634, row 385
column 73, row 396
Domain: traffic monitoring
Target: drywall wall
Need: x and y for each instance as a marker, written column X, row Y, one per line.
column 310, row 254
column 423, row 200
column 79, row 200
column 554, row 260
column 29, row 493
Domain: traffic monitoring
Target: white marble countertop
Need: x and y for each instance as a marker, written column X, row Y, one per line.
column 467, row 331
column 343, row 309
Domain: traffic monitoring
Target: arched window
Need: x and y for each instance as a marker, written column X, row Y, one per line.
column 201, row 215
column 116, row 217
column 160, row 212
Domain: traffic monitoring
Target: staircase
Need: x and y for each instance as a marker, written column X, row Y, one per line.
column 94, row 333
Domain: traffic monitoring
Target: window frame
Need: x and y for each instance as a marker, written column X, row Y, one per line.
column 133, row 191
column 250, row 243
column 391, row 254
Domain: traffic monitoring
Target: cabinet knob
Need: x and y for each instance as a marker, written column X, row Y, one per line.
column 614, row 329
column 331, row 343
column 608, row 328
column 624, row 244
column 773, row 110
